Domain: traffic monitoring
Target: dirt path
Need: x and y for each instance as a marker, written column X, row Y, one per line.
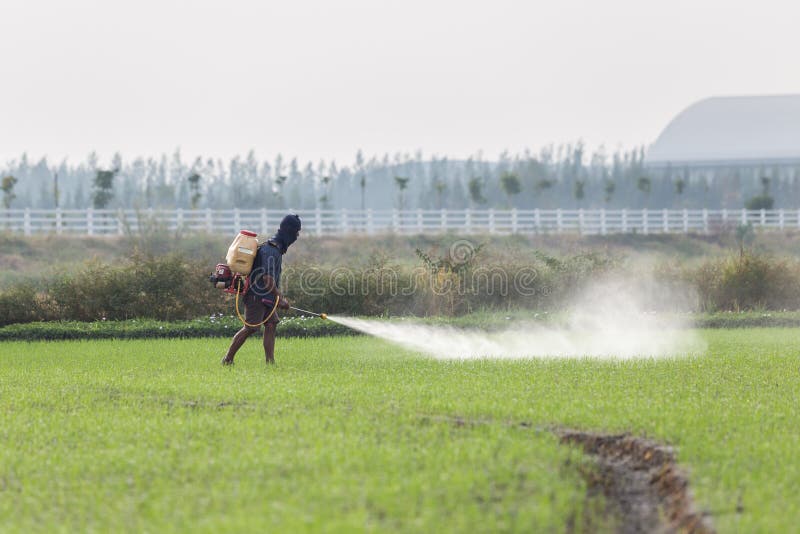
column 641, row 482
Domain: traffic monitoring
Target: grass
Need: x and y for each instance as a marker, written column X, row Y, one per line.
column 354, row 434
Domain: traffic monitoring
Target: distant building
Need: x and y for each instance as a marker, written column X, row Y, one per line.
column 732, row 132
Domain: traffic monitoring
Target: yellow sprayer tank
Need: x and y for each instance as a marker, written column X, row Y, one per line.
column 242, row 252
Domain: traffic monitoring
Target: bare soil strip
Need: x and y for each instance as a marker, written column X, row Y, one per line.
column 644, row 489
column 641, row 482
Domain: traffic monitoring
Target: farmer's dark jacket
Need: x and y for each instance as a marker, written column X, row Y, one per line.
column 268, row 261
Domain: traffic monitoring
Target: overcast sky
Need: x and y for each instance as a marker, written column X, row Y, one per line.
column 320, row 79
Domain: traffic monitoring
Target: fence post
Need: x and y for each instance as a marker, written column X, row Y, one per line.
column 665, row 220
column 209, row 221
column 537, row 220
column 420, row 228
column 781, row 219
column 318, row 221
column 744, row 216
column 179, row 219
column 559, row 222
column 237, row 220
column 26, row 222
column 120, row 219
column 370, row 222
column 491, row 221
column 724, row 216
column 264, row 220
column 343, row 225
column 580, row 221
column 685, row 221
column 468, row 220
column 90, row 221
column 705, row 220
column 763, row 218
column 645, row 222
column 603, row 229
column 395, row 221
column 443, row 220
column 514, row 221
column 59, row 221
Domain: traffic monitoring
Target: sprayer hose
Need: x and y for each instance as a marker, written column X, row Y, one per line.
column 244, row 322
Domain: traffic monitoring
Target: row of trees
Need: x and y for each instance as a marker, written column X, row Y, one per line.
column 564, row 177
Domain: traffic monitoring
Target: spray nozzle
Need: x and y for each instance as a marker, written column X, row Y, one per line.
column 320, row 315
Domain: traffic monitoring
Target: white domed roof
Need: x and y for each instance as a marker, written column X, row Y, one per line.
column 740, row 130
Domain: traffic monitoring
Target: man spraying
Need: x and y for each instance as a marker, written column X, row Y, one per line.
column 260, row 298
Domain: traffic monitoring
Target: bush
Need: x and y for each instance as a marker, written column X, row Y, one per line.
column 165, row 288
column 23, row 303
column 170, row 288
column 760, row 202
column 748, row 282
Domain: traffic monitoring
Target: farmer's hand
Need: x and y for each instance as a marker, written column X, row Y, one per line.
column 283, row 304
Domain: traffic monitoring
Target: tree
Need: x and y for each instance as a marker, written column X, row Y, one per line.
column 763, row 201
column 680, row 186
column 440, row 186
column 579, row 190
column 56, row 192
column 362, row 181
column 278, row 187
column 402, row 184
column 608, row 188
column 103, row 188
column 542, row 185
column 324, row 200
column 194, row 189
column 511, row 185
column 475, row 187
column 8, row 191
column 644, row 185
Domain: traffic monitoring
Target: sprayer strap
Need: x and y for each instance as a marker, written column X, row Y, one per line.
column 244, row 322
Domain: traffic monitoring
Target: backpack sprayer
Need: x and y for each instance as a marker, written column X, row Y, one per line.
column 233, row 276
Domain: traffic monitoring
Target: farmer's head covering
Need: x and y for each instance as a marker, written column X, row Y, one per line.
column 287, row 232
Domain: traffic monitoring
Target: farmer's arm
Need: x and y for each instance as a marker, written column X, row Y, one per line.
column 272, row 289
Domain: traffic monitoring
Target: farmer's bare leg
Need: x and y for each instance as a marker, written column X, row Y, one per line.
column 238, row 340
column 269, row 342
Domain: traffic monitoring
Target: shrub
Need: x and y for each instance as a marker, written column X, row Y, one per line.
column 748, row 282
column 760, row 202
column 165, row 288
column 23, row 303
column 173, row 288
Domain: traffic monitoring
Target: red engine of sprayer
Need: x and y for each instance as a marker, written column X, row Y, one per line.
column 225, row 279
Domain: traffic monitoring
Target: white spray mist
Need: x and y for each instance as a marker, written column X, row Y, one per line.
column 610, row 319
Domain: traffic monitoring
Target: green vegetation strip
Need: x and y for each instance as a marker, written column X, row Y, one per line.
column 225, row 326
column 148, row 328
column 352, row 434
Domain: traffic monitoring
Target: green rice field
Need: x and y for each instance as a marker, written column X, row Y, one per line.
column 354, row 434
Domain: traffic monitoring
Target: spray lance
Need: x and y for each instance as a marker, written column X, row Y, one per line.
column 322, row 316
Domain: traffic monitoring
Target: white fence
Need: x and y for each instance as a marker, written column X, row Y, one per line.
column 345, row 222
